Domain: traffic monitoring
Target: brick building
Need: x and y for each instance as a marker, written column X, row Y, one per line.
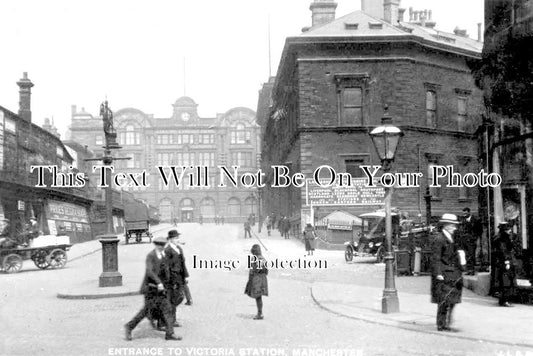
column 506, row 78
column 182, row 139
column 332, row 84
column 23, row 144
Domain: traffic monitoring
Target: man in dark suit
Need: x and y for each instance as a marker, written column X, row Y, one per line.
column 470, row 232
column 178, row 272
column 153, row 288
column 446, row 275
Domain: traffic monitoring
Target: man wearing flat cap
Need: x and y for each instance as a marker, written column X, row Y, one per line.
column 446, row 276
column 178, row 272
column 504, row 264
column 153, row 288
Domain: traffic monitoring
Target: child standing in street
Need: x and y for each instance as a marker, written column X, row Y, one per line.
column 257, row 285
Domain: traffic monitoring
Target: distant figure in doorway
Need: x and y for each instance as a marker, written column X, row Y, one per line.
column 504, row 264
column 257, row 285
column 310, row 239
column 470, row 232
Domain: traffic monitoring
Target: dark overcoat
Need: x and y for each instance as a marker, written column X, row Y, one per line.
column 156, row 272
column 257, row 285
column 310, row 238
column 178, row 273
column 445, row 261
column 503, row 255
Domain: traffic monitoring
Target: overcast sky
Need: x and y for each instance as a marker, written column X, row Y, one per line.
column 77, row 52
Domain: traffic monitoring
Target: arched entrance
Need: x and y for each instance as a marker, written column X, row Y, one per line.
column 187, row 210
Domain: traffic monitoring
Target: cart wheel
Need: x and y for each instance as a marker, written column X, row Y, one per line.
column 57, row 258
column 39, row 258
column 348, row 254
column 12, row 263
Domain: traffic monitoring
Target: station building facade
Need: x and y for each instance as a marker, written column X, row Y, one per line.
column 182, row 139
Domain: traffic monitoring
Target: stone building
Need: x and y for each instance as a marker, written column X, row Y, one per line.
column 332, row 85
column 182, row 139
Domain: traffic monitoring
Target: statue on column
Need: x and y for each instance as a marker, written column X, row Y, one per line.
column 109, row 130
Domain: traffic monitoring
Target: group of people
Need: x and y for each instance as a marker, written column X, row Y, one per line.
column 219, row 220
column 452, row 255
column 8, row 239
column 164, row 286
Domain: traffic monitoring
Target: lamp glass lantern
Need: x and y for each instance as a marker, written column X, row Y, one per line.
column 386, row 139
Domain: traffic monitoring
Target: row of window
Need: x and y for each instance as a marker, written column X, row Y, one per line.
column 134, row 138
column 242, row 159
column 351, row 105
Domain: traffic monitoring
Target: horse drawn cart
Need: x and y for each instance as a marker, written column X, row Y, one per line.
column 136, row 221
column 48, row 251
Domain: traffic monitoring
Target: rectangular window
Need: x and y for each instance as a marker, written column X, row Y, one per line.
column 431, row 108
column 185, row 138
column 352, row 106
column 99, row 140
column 241, row 159
column 206, row 138
column 185, row 159
column 59, row 151
column 352, row 167
column 206, row 159
column 461, row 113
column 435, row 192
column 164, row 159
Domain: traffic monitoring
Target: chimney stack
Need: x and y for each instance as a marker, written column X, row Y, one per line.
column 390, row 11
column 25, row 86
column 460, row 32
column 401, row 11
column 373, row 8
column 479, row 31
column 323, row 11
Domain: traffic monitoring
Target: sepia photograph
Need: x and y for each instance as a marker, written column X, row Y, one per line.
column 266, row 178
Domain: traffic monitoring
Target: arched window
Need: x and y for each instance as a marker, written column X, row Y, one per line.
column 250, row 206
column 165, row 210
column 234, row 207
column 207, row 207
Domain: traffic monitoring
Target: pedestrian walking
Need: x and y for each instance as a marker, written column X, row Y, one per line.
column 470, row 232
column 175, row 222
column 222, row 220
column 446, row 277
column 310, row 239
column 504, row 265
column 175, row 260
column 247, row 229
column 257, row 285
column 153, row 288
column 268, row 223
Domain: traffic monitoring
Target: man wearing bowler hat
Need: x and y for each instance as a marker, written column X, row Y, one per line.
column 446, row 276
column 178, row 272
column 153, row 288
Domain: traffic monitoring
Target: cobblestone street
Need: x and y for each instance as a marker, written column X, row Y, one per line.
column 34, row 321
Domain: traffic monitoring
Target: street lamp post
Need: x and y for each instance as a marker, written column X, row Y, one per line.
column 386, row 139
column 259, row 217
column 110, row 276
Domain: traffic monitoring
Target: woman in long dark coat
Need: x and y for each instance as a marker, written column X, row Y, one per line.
column 446, row 275
column 257, row 285
column 505, row 280
column 309, row 239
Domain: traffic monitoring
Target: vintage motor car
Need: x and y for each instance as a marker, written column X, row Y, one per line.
column 371, row 238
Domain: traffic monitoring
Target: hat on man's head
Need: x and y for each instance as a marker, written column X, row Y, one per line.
column 503, row 225
column 449, row 219
column 173, row 233
column 466, row 210
column 160, row 240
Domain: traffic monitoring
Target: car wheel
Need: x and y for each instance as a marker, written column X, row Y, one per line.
column 348, row 254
